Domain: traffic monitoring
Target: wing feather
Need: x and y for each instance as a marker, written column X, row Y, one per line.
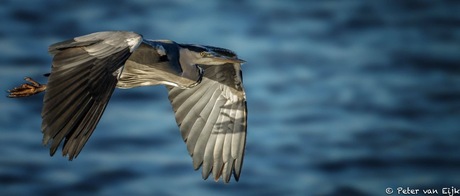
column 200, row 95
column 80, row 85
column 212, row 120
column 189, row 122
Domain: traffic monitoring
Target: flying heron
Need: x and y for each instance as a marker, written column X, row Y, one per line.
column 204, row 84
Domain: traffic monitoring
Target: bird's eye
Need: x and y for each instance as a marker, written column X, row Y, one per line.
column 203, row 54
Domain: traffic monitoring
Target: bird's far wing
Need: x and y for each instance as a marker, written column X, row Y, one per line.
column 83, row 77
column 212, row 120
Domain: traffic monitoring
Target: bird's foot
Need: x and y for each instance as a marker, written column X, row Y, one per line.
column 27, row 89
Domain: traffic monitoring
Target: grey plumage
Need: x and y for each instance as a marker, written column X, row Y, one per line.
column 212, row 120
column 205, row 91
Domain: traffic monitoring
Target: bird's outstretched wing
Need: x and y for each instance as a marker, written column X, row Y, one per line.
column 83, row 77
column 212, row 120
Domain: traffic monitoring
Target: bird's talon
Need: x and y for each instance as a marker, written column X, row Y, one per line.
column 26, row 90
column 33, row 82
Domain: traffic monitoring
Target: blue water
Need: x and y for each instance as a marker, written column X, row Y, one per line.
column 344, row 98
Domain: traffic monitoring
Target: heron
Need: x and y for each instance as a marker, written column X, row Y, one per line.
column 204, row 83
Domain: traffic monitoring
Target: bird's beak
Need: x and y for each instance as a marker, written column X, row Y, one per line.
column 225, row 59
column 237, row 60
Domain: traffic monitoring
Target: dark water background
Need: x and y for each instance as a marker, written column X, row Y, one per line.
column 344, row 98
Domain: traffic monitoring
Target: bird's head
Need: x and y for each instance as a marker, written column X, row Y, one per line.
column 207, row 55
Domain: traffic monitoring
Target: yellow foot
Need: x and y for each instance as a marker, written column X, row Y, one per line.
column 27, row 89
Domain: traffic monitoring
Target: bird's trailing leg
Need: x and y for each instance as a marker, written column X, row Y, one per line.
column 27, row 89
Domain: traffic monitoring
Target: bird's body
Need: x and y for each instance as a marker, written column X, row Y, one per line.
column 204, row 85
column 157, row 62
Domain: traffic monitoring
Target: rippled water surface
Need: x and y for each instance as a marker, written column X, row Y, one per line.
column 344, row 98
